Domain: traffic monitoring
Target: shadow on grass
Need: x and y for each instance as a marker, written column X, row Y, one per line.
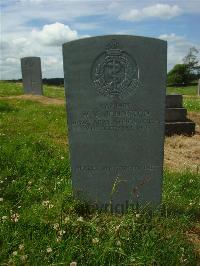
column 6, row 107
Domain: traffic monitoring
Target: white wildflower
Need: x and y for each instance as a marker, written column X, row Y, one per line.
column 73, row 263
column 56, row 226
column 15, row 217
column 45, row 202
column 95, row 240
column 118, row 243
column 80, row 219
column 24, row 257
column 14, row 253
column 58, row 239
column 117, row 228
column 66, row 220
column 4, row 218
column 1, row 199
column 61, row 232
column 49, row 250
column 21, row 247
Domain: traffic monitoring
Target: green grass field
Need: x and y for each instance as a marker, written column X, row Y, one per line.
column 41, row 222
column 190, row 99
column 189, row 90
column 14, row 89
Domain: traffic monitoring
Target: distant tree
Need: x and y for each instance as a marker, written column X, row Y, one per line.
column 192, row 63
column 186, row 72
column 179, row 75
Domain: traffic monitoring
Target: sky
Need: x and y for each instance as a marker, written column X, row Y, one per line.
column 40, row 27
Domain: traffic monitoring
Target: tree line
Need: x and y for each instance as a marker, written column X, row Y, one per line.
column 186, row 73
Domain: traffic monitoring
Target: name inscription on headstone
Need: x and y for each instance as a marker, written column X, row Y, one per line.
column 115, row 87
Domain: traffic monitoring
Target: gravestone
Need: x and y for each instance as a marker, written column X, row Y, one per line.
column 31, row 75
column 176, row 121
column 115, row 92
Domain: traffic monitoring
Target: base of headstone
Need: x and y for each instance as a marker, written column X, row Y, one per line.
column 176, row 121
column 174, row 101
column 180, row 128
column 175, row 114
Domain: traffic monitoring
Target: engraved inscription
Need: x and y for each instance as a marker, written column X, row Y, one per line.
column 108, row 117
column 115, row 73
column 121, row 168
column 28, row 63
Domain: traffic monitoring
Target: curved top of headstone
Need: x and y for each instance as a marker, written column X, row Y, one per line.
column 119, row 36
column 31, row 57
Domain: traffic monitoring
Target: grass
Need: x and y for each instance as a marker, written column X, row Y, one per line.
column 192, row 103
column 190, row 99
column 41, row 222
column 10, row 88
column 53, row 91
column 189, row 90
column 14, row 89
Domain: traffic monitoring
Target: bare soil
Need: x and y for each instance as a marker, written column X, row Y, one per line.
column 183, row 152
column 38, row 98
column 193, row 236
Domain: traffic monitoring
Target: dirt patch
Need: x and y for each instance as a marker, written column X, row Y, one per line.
column 195, row 116
column 182, row 152
column 193, row 236
column 41, row 99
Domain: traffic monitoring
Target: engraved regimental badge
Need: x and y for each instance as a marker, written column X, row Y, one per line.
column 114, row 72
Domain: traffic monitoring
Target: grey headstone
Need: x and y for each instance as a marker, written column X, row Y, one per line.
column 176, row 117
column 31, row 75
column 175, row 114
column 174, row 101
column 115, row 87
column 186, row 128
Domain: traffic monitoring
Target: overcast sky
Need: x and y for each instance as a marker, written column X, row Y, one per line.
column 40, row 27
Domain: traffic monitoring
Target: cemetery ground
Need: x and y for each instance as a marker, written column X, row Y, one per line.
column 41, row 223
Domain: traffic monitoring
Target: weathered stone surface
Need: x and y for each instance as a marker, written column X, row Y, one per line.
column 174, row 101
column 115, row 88
column 31, row 75
column 175, row 114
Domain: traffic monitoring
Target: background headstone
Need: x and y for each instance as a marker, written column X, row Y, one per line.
column 116, row 87
column 31, row 75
